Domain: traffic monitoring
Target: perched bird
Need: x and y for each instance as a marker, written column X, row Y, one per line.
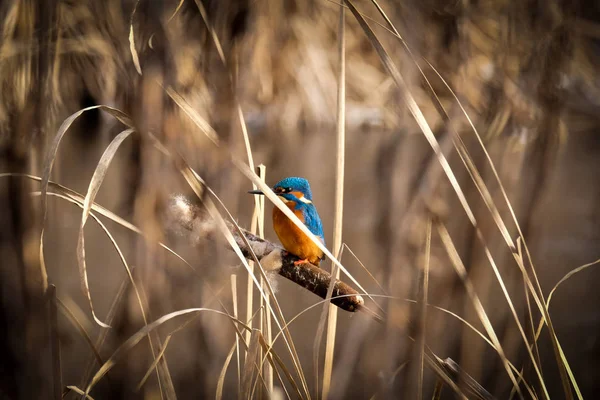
column 295, row 193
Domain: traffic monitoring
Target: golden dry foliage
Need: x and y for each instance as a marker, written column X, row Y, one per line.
column 201, row 83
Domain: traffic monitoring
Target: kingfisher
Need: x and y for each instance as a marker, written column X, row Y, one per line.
column 295, row 193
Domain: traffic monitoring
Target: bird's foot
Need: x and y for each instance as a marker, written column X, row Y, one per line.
column 305, row 261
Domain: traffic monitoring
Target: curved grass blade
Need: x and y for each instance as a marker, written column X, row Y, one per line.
column 78, row 391
column 140, row 334
column 221, row 380
column 81, row 329
column 123, row 261
column 49, row 162
column 134, row 54
column 481, row 313
column 100, row 210
column 93, row 189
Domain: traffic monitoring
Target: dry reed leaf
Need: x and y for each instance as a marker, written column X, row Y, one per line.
column 234, row 300
column 417, row 114
column 221, row 380
column 423, row 300
column 81, row 329
column 49, row 162
column 140, row 334
column 78, row 391
column 273, row 358
column 250, row 365
column 93, row 189
column 154, row 365
column 467, row 160
column 481, row 313
column 99, row 209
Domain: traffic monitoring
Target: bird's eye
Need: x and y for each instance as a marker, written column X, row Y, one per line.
column 288, row 189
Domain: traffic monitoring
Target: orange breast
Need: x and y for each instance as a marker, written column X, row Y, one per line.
column 292, row 238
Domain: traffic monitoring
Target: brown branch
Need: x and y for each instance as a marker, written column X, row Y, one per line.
column 193, row 221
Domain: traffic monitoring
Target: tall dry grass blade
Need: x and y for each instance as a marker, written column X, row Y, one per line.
column 81, row 329
column 541, row 323
column 49, row 162
column 345, row 246
column 221, row 380
column 254, row 225
column 193, row 115
column 472, row 170
column 79, row 198
column 93, row 189
column 339, row 205
column 526, row 293
column 568, row 276
column 143, row 332
column 537, row 295
column 235, row 315
column 123, row 261
column 176, row 10
column 154, row 365
column 424, row 289
column 472, row 387
column 112, row 312
column 212, row 32
column 418, row 115
column 273, row 359
column 481, row 313
column 63, row 306
column 134, row 54
column 78, row 391
column 266, row 325
column 250, row 282
column 55, row 343
column 448, row 312
column 250, row 365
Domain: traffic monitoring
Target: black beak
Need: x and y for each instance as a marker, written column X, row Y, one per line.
column 255, row 192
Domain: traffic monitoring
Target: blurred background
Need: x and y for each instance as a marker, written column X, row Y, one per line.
column 526, row 73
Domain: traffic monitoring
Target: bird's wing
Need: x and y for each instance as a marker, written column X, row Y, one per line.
column 313, row 221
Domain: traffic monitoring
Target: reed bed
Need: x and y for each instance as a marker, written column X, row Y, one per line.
column 452, row 150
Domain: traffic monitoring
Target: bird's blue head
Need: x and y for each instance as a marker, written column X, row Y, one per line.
column 294, row 189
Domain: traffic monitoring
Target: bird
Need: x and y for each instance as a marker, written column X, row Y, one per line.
column 296, row 194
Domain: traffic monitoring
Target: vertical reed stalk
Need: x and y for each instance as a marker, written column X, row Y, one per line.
column 339, row 202
column 234, row 299
column 266, row 320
